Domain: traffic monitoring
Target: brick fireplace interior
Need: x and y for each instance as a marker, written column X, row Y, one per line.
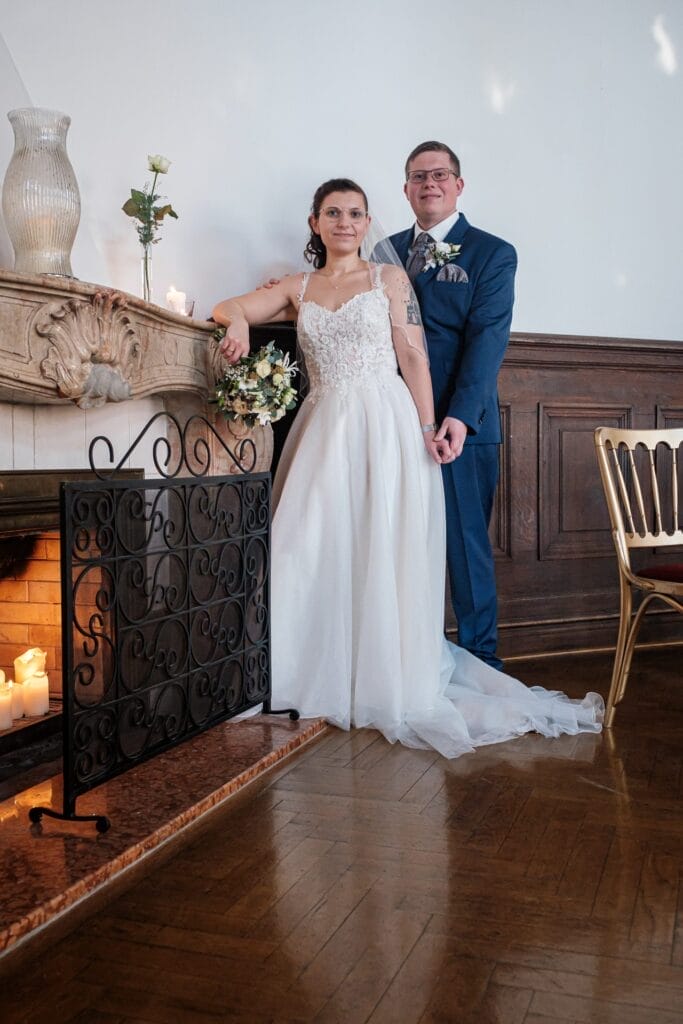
column 30, row 574
column 30, row 602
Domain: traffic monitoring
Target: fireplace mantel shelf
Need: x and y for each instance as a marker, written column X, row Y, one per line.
column 67, row 341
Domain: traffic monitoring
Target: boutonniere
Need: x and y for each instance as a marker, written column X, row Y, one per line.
column 439, row 253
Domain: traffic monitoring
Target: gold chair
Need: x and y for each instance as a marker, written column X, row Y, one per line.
column 642, row 473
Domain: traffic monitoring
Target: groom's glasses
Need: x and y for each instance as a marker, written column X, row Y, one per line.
column 438, row 174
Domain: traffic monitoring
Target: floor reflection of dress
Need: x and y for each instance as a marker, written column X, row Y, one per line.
column 358, row 555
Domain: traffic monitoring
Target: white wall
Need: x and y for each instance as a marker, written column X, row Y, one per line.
column 566, row 117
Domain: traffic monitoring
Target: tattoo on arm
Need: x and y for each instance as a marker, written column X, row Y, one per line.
column 413, row 310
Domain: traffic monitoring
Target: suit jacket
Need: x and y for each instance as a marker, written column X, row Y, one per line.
column 467, row 325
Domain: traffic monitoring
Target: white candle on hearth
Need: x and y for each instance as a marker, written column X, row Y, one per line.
column 17, row 699
column 28, row 663
column 176, row 300
column 37, row 695
column 5, row 707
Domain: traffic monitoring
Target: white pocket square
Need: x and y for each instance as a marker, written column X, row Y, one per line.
column 452, row 272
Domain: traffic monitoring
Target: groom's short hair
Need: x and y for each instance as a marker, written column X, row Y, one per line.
column 434, row 147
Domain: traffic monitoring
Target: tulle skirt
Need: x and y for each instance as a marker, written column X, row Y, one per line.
column 357, row 588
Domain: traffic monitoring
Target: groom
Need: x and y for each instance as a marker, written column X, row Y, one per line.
column 465, row 292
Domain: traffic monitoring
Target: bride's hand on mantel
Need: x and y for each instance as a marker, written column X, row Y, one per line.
column 235, row 344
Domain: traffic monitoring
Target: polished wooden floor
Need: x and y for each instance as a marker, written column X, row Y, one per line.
column 535, row 881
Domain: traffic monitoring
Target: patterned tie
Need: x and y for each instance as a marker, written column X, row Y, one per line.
column 416, row 260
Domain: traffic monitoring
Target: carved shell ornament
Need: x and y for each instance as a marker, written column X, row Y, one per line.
column 93, row 348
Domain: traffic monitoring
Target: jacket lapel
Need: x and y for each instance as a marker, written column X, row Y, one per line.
column 458, row 231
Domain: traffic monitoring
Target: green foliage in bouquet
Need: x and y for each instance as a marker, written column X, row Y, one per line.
column 259, row 388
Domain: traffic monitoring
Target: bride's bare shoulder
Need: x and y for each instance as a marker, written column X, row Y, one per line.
column 393, row 277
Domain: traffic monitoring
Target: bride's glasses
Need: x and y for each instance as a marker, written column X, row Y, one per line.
column 438, row 174
column 335, row 213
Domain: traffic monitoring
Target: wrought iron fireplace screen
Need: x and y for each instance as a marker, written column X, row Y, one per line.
column 165, row 616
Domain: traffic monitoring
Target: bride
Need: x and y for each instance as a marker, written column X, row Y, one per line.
column 358, row 534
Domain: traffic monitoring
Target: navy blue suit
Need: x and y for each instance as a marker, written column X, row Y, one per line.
column 467, row 325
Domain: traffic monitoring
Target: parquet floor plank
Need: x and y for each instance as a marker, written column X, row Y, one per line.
column 501, row 1005
column 61, row 1008
column 300, row 947
column 408, row 995
column 629, row 991
column 458, row 991
column 654, row 916
column 616, row 894
column 597, row 1011
column 384, row 951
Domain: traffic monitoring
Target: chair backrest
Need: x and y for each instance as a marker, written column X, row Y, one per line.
column 642, row 475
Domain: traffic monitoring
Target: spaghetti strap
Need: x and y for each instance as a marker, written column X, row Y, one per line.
column 376, row 275
column 302, row 289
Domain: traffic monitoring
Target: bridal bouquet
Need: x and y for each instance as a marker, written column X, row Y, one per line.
column 258, row 388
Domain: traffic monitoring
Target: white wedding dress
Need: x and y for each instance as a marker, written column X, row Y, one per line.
column 358, row 560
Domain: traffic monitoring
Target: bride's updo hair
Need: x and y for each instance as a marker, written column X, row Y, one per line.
column 315, row 251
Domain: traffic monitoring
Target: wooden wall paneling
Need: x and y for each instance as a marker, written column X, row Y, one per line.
column 558, row 590
column 572, row 517
column 501, row 517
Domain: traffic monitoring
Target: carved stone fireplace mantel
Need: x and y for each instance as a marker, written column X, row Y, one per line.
column 66, row 342
column 64, row 339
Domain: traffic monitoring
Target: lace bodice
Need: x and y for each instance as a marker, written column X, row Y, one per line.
column 350, row 346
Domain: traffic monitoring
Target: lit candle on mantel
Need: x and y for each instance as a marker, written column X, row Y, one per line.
column 37, row 695
column 176, row 301
column 5, row 706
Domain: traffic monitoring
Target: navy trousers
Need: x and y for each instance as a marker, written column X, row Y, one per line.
column 469, row 486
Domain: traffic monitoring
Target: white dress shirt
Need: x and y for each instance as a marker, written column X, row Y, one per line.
column 437, row 231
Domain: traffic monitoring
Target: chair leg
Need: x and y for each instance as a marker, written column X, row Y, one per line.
column 630, row 646
column 616, row 690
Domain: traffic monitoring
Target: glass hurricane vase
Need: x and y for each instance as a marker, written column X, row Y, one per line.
column 40, row 198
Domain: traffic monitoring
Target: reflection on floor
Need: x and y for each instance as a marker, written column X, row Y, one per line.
column 535, row 881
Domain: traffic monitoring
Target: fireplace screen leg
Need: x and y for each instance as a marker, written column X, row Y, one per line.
column 292, row 712
column 102, row 823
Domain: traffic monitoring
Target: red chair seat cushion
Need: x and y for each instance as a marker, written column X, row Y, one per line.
column 670, row 573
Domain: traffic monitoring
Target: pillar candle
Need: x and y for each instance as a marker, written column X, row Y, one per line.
column 176, row 300
column 5, row 707
column 17, row 699
column 28, row 663
column 37, row 695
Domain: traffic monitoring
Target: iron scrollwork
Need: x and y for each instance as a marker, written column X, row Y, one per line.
column 165, row 607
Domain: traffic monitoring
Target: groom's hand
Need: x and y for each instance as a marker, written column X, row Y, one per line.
column 454, row 432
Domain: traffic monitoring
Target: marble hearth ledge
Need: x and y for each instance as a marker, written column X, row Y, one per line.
column 50, row 867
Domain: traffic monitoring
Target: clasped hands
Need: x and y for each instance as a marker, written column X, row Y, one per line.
column 446, row 443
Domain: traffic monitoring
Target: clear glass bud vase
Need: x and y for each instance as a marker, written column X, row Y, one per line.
column 40, row 199
column 146, row 268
